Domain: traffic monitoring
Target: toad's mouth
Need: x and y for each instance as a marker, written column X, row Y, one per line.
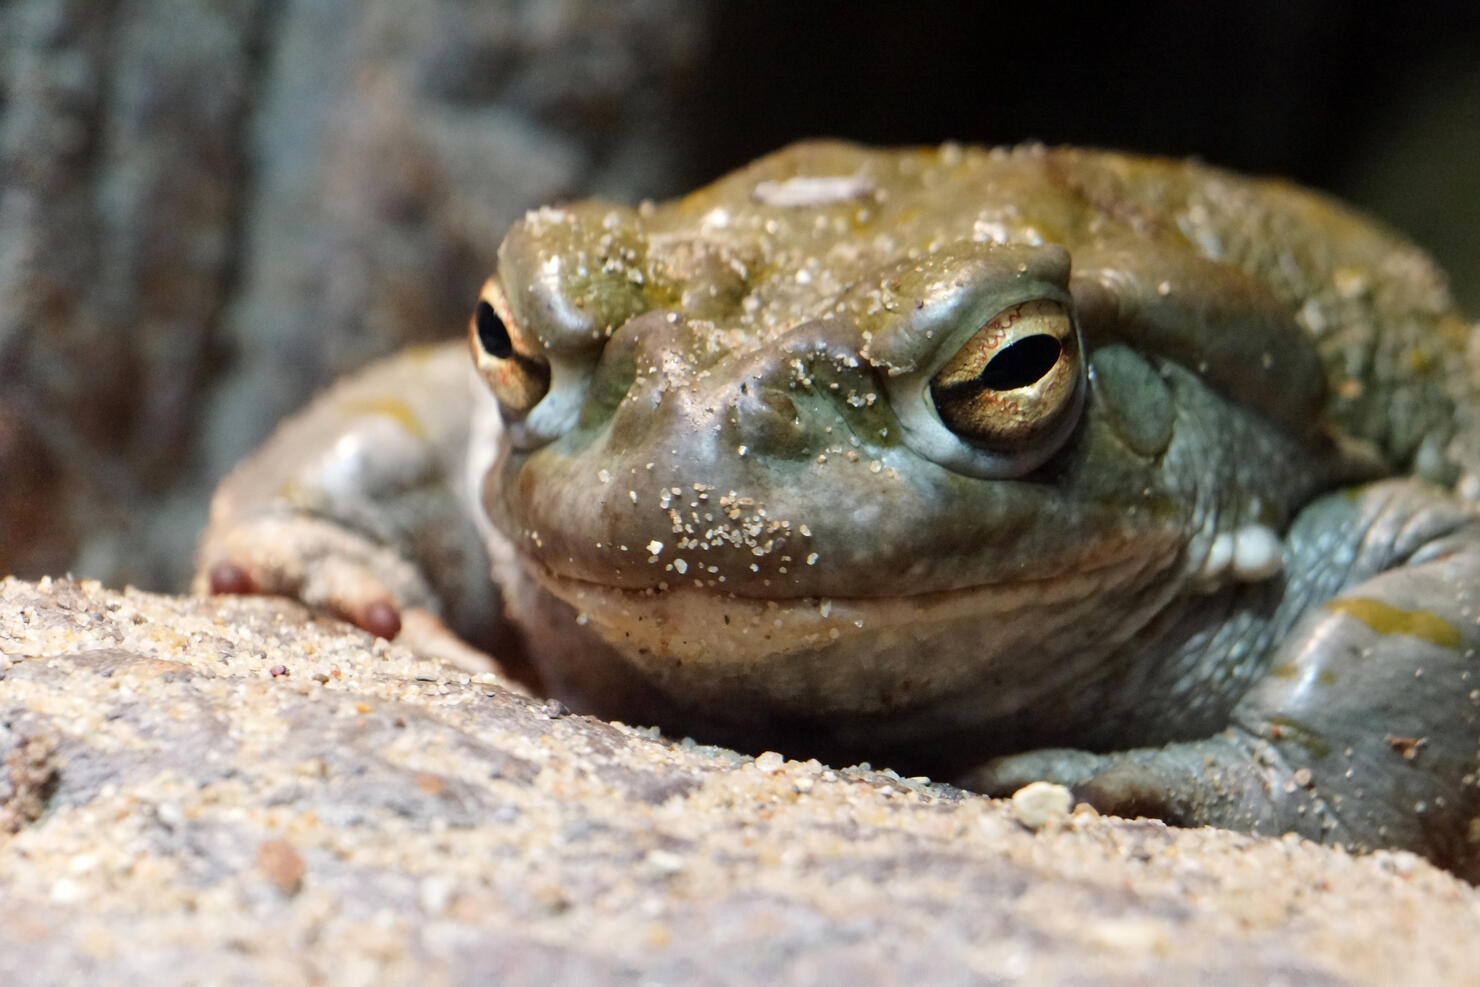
column 863, row 652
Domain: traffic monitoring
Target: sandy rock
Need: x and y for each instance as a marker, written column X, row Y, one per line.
column 235, row 792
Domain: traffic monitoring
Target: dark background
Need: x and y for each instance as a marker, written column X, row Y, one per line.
column 1293, row 87
column 210, row 208
column 1336, row 95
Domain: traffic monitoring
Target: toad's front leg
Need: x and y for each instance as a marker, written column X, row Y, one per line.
column 1366, row 731
column 360, row 506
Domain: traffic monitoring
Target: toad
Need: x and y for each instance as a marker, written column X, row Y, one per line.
column 998, row 464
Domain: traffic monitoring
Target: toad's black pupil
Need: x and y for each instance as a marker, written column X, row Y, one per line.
column 493, row 335
column 1023, row 363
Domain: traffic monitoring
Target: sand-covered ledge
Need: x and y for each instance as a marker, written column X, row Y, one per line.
column 231, row 791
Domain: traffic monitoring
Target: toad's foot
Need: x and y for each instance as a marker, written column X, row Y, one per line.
column 356, row 508
column 1365, row 733
column 317, row 562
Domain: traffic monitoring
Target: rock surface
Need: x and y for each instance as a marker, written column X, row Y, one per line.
column 231, row 791
column 209, row 210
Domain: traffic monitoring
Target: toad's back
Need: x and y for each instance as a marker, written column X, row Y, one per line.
column 1398, row 368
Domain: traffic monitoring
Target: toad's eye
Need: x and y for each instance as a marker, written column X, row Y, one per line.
column 508, row 362
column 1013, row 380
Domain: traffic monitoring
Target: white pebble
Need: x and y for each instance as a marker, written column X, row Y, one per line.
column 770, row 762
column 1037, row 803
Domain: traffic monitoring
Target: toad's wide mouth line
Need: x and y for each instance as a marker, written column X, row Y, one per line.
column 695, row 622
column 1106, row 569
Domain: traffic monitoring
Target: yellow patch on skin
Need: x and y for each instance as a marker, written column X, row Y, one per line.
column 393, row 408
column 1384, row 619
column 293, row 492
column 1290, row 671
column 421, row 353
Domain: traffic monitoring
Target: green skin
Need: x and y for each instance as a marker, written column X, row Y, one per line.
column 740, row 512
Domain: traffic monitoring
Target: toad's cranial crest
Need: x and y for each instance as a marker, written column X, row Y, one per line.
column 1004, row 465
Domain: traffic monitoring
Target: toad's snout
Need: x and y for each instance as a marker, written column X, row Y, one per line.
column 788, row 399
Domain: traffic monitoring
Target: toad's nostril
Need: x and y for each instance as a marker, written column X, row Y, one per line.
column 767, row 419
